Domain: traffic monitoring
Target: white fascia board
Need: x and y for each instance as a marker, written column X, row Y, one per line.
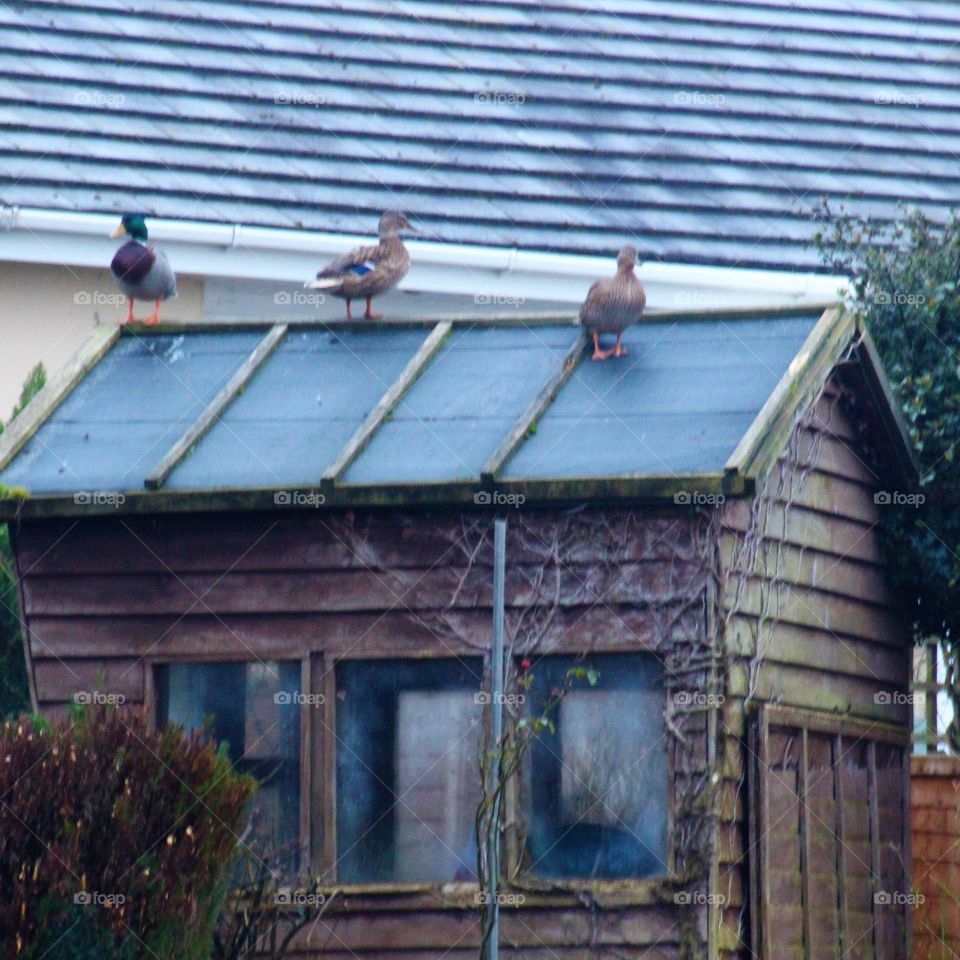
column 222, row 250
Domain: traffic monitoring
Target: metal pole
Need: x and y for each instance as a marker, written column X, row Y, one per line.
column 496, row 720
column 931, row 694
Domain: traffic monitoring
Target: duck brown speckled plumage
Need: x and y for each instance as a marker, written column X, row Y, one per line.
column 613, row 304
column 366, row 272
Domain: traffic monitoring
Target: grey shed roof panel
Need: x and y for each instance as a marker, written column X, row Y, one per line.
column 299, row 410
column 678, row 403
column 704, row 131
column 127, row 413
column 463, row 405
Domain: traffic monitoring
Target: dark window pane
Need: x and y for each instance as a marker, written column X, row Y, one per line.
column 252, row 707
column 408, row 782
column 597, row 789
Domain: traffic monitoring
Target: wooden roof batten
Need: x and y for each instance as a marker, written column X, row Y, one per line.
column 534, row 411
column 540, row 318
column 385, row 405
column 195, row 432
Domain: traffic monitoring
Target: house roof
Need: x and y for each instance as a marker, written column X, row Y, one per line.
column 704, row 131
column 246, row 415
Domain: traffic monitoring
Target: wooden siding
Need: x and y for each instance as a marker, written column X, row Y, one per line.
column 105, row 598
column 814, row 596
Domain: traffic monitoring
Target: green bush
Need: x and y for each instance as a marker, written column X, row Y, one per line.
column 115, row 839
column 906, row 281
column 14, row 691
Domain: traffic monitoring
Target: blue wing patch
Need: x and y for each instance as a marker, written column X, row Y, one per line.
column 362, row 269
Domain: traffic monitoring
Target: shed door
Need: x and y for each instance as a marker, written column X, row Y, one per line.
column 828, row 816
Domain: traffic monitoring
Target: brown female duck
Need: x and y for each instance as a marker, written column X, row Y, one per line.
column 614, row 304
column 366, row 272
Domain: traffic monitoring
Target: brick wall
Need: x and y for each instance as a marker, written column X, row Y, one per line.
column 935, row 821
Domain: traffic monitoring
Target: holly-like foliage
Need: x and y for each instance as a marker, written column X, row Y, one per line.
column 905, row 281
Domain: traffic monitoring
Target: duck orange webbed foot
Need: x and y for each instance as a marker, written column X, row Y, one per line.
column 370, row 315
column 599, row 354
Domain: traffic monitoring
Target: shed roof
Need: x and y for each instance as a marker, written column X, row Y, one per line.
column 705, row 131
column 248, row 415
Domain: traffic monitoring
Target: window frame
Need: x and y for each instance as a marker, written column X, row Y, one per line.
column 629, row 889
column 151, row 705
column 318, row 779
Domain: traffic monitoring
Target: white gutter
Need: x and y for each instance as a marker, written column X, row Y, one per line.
column 223, row 250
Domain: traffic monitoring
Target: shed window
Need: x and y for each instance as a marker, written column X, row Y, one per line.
column 597, row 790
column 253, row 708
column 408, row 783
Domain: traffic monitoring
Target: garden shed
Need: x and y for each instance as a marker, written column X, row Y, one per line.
column 288, row 529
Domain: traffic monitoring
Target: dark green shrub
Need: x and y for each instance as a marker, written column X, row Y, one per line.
column 115, row 839
column 14, row 693
column 906, row 281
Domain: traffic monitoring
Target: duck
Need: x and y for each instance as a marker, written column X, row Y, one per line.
column 142, row 271
column 613, row 304
column 366, row 272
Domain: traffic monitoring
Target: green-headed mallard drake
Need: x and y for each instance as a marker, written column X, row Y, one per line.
column 142, row 271
column 368, row 271
column 614, row 304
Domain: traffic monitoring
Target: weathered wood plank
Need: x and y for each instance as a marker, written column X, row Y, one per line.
column 398, row 633
column 813, row 690
column 337, row 540
column 385, row 404
column 835, row 457
column 812, row 570
column 838, row 497
column 310, row 591
column 814, row 530
column 158, row 475
column 801, row 646
column 522, row 927
column 120, row 680
column 819, row 611
column 829, row 416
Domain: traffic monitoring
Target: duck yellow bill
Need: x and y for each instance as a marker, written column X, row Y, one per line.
column 119, row 232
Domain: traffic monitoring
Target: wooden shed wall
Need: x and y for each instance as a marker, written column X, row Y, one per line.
column 803, row 570
column 104, row 598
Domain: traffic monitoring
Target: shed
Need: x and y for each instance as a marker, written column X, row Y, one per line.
column 288, row 528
